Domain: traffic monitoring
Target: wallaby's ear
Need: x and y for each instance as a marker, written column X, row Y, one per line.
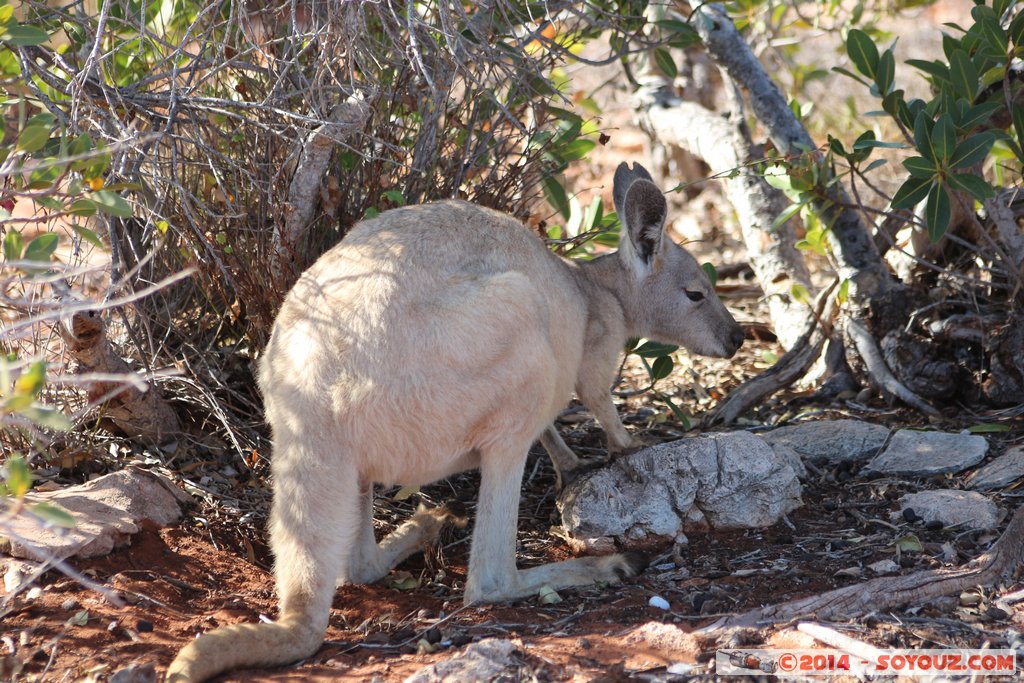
column 643, row 223
column 624, row 177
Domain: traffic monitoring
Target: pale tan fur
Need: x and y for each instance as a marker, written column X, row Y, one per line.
column 431, row 340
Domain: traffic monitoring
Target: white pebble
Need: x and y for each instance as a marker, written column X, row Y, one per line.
column 659, row 602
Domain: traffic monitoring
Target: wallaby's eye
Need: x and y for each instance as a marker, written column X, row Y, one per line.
column 693, row 295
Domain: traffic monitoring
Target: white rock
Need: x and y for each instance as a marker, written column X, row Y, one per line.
column 107, row 510
column 729, row 480
column 830, row 441
column 488, row 660
column 884, row 567
column 960, row 509
column 659, row 602
column 1001, row 472
column 922, row 454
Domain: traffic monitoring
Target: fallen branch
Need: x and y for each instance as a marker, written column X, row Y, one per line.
column 889, row 592
column 879, row 372
column 793, row 365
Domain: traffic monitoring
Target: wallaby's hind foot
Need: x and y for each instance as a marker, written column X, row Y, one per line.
column 582, row 571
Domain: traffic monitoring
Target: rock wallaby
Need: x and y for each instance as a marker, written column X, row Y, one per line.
column 431, row 340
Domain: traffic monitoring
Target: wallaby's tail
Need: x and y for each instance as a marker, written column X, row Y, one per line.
column 245, row 645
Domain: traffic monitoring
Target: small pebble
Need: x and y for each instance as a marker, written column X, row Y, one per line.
column 659, row 602
column 909, row 515
column 144, row 626
column 934, row 525
column 68, row 605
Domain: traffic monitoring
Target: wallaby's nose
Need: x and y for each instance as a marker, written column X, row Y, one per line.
column 737, row 337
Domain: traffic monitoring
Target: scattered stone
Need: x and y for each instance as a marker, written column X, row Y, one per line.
column 884, row 567
column 1001, row 472
column 923, row 454
column 144, row 626
column 952, row 508
column 488, row 660
column 107, row 511
column 659, row 602
column 136, row 673
column 830, row 441
column 730, row 480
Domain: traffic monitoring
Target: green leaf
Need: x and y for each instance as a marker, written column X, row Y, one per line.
column 1017, row 112
column 936, row 68
column 112, row 203
column 886, row 72
column 943, row 138
column 972, row 185
column 394, row 196
column 42, row 247
column 555, row 194
column 937, row 211
column 89, row 236
column 909, row 544
column 577, row 149
column 661, row 367
column 919, row 167
column 82, row 207
column 912, row 191
column 709, row 270
column 54, row 515
column 844, row 292
column 654, row 349
column 971, row 150
column 19, row 479
column 963, row 75
column 663, row 58
column 923, row 134
column 977, row 115
column 863, row 52
column 13, row 245
column 23, row 35
column 33, row 138
column 32, row 380
column 786, row 214
column 988, row 428
column 48, row 418
column 677, row 411
column 799, row 293
column 405, row 492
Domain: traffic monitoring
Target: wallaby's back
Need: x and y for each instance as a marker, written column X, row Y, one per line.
column 432, row 314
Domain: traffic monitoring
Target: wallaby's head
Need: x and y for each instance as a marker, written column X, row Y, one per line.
column 676, row 302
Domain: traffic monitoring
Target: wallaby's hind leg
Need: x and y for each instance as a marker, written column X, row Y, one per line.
column 313, row 527
column 372, row 561
column 492, row 564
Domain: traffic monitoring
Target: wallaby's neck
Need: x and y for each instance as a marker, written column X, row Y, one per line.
column 609, row 290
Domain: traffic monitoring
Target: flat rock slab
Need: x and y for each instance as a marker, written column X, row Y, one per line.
column 923, row 454
column 959, row 509
column 1001, row 472
column 491, row 659
column 830, row 441
column 719, row 481
column 107, row 511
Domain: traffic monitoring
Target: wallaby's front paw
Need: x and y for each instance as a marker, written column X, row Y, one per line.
column 564, row 479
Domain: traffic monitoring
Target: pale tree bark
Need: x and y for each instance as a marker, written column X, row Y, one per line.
column 304, row 191
column 855, row 254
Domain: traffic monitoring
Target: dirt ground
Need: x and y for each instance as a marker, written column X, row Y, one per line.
column 187, row 579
